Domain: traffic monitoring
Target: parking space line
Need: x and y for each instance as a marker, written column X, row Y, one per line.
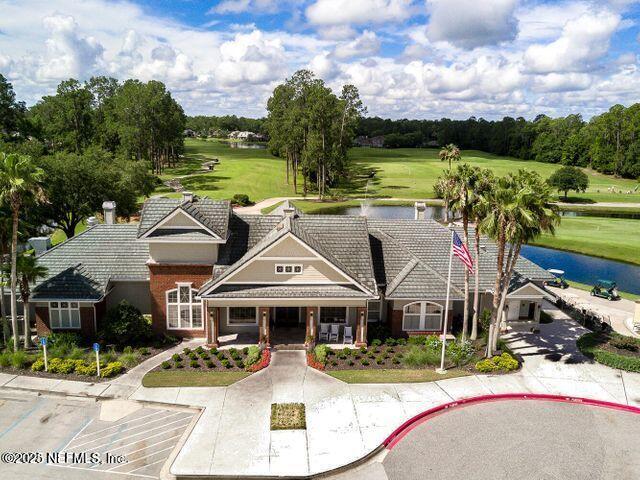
column 133, row 428
column 119, row 424
column 150, row 464
column 22, row 418
column 128, row 436
column 147, row 438
column 141, row 458
column 154, row 444
column 76, row 435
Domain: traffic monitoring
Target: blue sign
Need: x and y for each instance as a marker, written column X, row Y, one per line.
column 96, row 347
column 43, row 341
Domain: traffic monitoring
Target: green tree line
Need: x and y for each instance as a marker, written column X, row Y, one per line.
column 608, row 143
column 212, row 125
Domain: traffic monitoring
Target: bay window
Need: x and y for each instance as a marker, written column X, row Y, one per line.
column 183, row 310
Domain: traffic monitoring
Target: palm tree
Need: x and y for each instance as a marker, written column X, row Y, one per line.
column 519, row 210
column 450, row 153
column 28, row 272
column 484, row 183
column 19, row 178
column 461, row 201
column 445, row 188
column 5, row 241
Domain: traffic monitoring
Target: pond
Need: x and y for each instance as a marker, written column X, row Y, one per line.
column 579, row 268
column 259, row 146
column 437, row 213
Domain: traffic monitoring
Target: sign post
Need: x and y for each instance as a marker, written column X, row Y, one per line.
column 96, row 348
column 43, row 342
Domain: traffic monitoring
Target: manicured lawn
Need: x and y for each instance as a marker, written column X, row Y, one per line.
column 584, row 286
column 400, row 173
column 614, row 238
column 411, row 172
column 394, row 375
column 190, row 378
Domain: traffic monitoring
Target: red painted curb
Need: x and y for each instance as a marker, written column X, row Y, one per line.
column 400, row 432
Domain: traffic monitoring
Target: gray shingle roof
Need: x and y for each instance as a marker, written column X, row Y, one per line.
column 429, row 242
column 286, row 291
column 82, row 267
column 214, row 214
column 339, row 239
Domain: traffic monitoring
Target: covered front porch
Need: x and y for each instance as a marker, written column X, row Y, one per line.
column 286, row 321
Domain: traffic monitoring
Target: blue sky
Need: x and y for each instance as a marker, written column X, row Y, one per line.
column 408, row 58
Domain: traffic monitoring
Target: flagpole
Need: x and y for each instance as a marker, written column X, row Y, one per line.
column 441, row 370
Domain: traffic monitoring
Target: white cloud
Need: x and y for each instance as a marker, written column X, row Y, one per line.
column 339, row 12
column 68, row 54
column 583, row 42
column 562, row 82
column 231, row 6
column 472, row 23
column 365, row 45
column 323, row 66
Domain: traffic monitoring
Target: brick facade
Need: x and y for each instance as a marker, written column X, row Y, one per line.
column 42, row 321
column 87, row 322
column 163, row 277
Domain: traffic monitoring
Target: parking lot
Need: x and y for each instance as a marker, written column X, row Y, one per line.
column 81, row 436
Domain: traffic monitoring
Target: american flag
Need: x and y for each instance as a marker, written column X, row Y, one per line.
column 461, row 251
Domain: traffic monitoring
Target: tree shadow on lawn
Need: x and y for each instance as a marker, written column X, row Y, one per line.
column 579, row 200
column 203, row 182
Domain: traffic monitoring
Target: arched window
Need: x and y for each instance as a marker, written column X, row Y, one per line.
column 422, row 316
column 184, row 312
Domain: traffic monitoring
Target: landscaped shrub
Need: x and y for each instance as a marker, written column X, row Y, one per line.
column 20, row 359
column 265, row 359
column 459, row 352
column 390, row 341
column 5, row 359
column 193, row 356
column 433, row 341
column 504, row 363
column 143, row 351
column 221, row 356
column 401, row 342
column 130, row 359
column 205, row 356
column 38, row 365
column 321, row 352
column 59, row 365
column 485, row 320
column 365, row 362
column 111, row 370
column 176, row 357
column 253, row 354
column 421, row 356
column 165, row 365
column 239, row 364
column 245, row 350
column 125, row 325
column 625, row 343
column 591, row 345
column 194, row 364
column 376, row 342
column 241, row 199
column 226, row 363
column 200, row 349
column 89, row 369
column 186, row 350
column 213, row 350
column 110, row 356
column 417, row 339
column 77, row 353
column 209, row 364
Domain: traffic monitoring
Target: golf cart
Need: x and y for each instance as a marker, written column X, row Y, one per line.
column 605, row 289
column 558, row 281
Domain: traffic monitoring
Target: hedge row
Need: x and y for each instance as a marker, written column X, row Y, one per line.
column 588, row 344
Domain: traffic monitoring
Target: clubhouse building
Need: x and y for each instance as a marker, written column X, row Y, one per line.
column 202, row 270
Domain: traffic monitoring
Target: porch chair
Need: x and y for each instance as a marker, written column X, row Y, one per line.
column 347, row 336
column 335, row 332
column 324, row 332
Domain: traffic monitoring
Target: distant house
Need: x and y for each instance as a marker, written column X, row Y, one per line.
column 374, row 142
column 248, row 136
column 189, row 133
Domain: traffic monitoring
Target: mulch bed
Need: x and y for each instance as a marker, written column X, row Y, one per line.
column 608, row 343
column 207, row 359
column 337, row 360
column 27, row 372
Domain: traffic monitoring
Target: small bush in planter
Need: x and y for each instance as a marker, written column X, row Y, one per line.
column 241, row 199
column 193, row 356
column 38, row 365
column 20, row 359
column 334, row 363
column 239, row 364
column 253, row 354
column 194, row 364
column 365, row 362
column 390, row 341
column 179, row 365
column 209, row 364
column 233, row 351
column 625, row 343
column 376, row 342
column 226, row 363
column 186, row 350
column 90, row 369
column 396, row 361
column 200, row 349
column 5, row 359
column 401, row 342
column 379, row 360
column 205, row 356
column 221, row 356
column 213, row 350
column 176, row 357
column 111, row 370
column 165, row 365
column 346, row 351
column 143, row 351
column 245, row 350
column 371, row 355
column 357, row 356
column 363, row 349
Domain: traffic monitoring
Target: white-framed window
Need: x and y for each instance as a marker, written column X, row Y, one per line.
column 373, row 311
column 333, row 314
column 64, row 315
column 183, row 310
column 288, row 269
column 426, row 316
column 239, row 316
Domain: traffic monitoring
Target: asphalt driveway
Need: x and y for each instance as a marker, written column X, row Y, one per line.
column 524, row 439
